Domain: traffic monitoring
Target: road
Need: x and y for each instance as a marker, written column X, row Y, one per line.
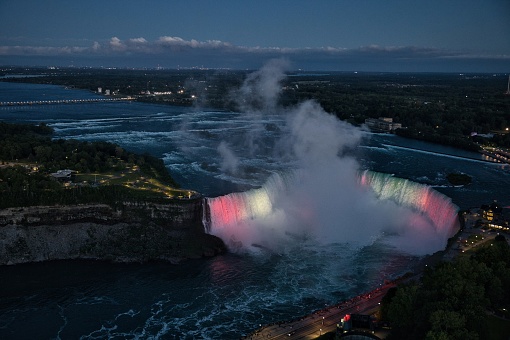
column 323, row 321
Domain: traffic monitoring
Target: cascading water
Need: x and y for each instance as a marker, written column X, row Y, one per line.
column 229, row 216
column 323, row 200
column 431, row 203
column 261, row 217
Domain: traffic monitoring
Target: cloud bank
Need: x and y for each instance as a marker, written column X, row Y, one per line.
column 169, row 50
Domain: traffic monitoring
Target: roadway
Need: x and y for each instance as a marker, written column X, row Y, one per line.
column 323, row 321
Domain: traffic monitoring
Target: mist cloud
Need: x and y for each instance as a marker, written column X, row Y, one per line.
column 261, row 89
column 320, row 197
column 229, row 161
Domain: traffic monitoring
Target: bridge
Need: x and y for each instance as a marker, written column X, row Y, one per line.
column 65, row 101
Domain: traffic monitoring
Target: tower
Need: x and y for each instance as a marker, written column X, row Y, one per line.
column 508, row 87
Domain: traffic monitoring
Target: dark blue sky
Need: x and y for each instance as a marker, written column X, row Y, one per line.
column 362, row 35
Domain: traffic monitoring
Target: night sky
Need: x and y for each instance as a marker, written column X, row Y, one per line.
column 363, row 35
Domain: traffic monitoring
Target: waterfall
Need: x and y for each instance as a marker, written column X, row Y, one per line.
column 269, row 214
column 422, row 198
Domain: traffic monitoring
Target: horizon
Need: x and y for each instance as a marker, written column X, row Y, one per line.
column 292, row 72
column 395, row 36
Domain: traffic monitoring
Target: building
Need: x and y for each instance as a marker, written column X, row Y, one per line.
column 356, row 326
column 63, row 175
column 382, row 124
column 495, row 217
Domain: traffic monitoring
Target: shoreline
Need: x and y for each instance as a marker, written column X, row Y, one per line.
column 445, row 154
column 332, row 314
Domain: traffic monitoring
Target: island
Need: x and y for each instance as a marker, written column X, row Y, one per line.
column 68, row 199
column 458, row 178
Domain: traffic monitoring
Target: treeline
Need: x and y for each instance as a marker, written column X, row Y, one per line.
column 33, row 143
column 23, row 147
column 429, row 135
column 20, row 187
column 210, row 88
column 445, row 108
column 461, row 299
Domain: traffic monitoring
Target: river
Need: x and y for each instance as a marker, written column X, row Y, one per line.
column 215, row 153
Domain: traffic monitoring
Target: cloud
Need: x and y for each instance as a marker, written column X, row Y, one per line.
column 218, row 53
column 165, row 43
column 138, row 41
column 42, row 50
column 116, row 44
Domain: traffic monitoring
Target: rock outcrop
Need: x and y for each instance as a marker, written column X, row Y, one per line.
column 129, row 232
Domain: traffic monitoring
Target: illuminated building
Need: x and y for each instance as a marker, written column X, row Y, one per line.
column 495, row 216
column 358, row 326
column 63, row 175
column 382, row 124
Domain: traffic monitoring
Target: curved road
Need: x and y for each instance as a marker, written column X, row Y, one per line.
column 323, row 321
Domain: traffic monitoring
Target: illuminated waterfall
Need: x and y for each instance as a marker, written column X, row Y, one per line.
column 431, row 203
column 228, row 216
column 241, row 219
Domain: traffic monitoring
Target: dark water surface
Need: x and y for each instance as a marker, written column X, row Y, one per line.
column 227, row 296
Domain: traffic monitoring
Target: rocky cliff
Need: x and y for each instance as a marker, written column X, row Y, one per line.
column 128, row 232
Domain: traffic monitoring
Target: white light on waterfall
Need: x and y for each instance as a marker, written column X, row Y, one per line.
column 260, row 204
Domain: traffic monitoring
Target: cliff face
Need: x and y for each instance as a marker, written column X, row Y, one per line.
column 130, row 232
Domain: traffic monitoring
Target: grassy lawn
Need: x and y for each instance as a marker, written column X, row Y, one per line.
column 134, row 180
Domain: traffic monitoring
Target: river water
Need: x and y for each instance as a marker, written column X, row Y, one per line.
column 215, row 153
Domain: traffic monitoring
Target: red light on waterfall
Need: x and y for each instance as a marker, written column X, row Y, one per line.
column 363, row 180
column 424, row 198
column 227, row 211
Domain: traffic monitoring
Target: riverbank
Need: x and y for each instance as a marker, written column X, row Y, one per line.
column 498, row 155
column 481, row 159
column 131, row 232
column 325, row 320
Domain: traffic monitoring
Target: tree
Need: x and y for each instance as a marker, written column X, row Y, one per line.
column 401, row 312
column 449, row 325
